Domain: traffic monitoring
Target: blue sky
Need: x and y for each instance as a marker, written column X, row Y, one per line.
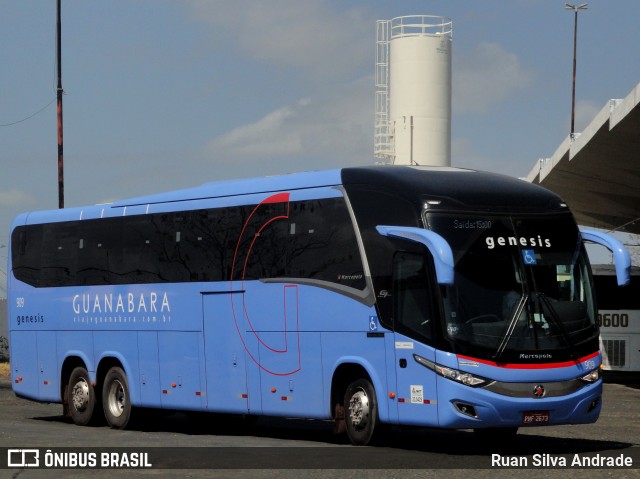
column 166, row 94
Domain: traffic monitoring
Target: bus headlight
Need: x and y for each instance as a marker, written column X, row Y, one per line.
column 453, row 374
column 591, row 377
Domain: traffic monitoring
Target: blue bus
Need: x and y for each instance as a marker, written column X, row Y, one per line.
column 368, row 296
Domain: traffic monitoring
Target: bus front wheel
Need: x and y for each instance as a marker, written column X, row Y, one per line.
column 360, row 411
column 115, row 398
column 81, row 397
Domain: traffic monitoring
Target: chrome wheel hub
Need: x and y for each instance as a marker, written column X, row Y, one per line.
column 359, row 409
column 80, row 395
column 117, row 400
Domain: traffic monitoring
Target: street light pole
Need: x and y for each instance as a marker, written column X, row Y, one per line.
column 575, row 9
column 59, row 92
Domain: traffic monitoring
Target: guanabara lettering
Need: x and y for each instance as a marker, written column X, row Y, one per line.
column 152, row 302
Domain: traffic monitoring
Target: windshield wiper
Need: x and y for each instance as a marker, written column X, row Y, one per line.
column 556, row 321
column 511, row 327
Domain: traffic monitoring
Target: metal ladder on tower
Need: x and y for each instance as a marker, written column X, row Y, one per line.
column 383, row 134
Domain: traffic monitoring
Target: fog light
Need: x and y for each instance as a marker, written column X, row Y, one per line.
column 594, row 404
column 466, row 409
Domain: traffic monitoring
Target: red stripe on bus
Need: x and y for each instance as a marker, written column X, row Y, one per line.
column 277, row 198
column 563, row 364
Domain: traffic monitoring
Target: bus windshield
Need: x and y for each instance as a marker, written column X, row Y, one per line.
column 522, row 289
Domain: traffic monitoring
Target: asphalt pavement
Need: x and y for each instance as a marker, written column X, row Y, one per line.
column 215, row 446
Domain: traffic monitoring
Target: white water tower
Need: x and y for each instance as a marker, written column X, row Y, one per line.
column 413, row 90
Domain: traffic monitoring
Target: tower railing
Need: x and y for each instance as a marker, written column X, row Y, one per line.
column 417, row 25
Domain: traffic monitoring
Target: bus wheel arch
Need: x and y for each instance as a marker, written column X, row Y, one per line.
column 116, row 394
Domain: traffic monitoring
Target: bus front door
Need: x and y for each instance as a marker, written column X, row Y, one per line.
column 415, row 384
column 414, row 329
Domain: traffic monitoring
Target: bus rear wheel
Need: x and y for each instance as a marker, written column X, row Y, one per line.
column 115, row 398
column 81, row 397
column 360, row 411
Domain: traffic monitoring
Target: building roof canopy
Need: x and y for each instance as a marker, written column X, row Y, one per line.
column 597, row 172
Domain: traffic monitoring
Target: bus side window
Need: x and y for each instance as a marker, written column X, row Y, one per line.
column 26, row 254
column 412, row 296
column 58, row 260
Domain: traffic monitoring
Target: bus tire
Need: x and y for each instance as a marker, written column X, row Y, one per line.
column 81, row 397
column 115, row 398
column 360, row 412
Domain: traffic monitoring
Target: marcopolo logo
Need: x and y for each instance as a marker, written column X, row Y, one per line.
column 534, row 241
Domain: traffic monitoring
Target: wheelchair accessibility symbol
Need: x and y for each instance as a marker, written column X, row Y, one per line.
column 529, row 256
column 373, row 323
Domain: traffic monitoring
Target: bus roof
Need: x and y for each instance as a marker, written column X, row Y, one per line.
column 466, row 186
column 459, row 187
column 245, row 186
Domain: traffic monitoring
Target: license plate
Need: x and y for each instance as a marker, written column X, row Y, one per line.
column 535, row 417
